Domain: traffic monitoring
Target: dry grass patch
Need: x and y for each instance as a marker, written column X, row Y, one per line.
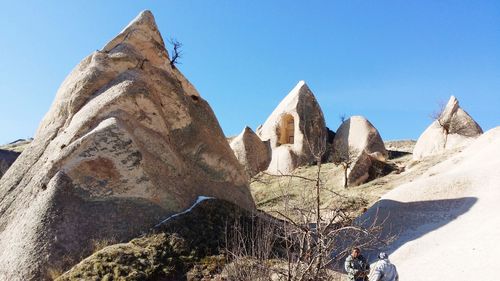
column 272, row 192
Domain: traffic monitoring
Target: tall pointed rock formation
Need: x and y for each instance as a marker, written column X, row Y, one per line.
column 359, row 134
column 358, row 139
column 453, row 128
column 127, row 142
column 294, row 128
column 251, row 151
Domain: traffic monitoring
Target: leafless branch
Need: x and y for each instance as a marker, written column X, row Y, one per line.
column 176, row 53
column 312, row 229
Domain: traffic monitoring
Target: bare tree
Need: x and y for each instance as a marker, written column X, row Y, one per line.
column 316, row 227
column 445, row 124
column 176, row 53
column 342, row 117
column 315, row 230
column 249, row 247
column 438, row 116
column 345, row 158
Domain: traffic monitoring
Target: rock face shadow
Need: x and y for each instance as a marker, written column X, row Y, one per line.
column 401, row 221
column 7, row 157
column 395, row 154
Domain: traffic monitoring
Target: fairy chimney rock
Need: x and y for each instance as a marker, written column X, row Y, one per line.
column 453, row 128
column 251, row 152
column 295, row 129
column 127, row 142
column 358, row 139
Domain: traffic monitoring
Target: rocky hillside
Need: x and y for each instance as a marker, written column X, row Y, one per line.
column 17, row 145
column 425, row 204
column 447, row 213
column 130, row 177
column 186, row 247
column 270, row 191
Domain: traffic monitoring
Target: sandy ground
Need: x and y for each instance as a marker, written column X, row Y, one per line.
column 447, row 219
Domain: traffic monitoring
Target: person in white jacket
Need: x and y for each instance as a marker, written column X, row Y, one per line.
column 384, row 270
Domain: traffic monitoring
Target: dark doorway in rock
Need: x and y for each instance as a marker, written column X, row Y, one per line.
column 287, row 130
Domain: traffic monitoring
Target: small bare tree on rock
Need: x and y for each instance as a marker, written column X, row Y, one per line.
column 176, row 53
column 346, row 159
column 342, row 118
column 445, row 124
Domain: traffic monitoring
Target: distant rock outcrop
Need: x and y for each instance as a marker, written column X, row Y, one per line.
column 17, row 145
column 127, row 142
column 251, row 151
column 357, row 138
column 453, row 128
column 7, row 157
column 293, row 128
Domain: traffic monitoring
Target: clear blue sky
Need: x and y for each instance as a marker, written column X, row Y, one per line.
column 391, row 61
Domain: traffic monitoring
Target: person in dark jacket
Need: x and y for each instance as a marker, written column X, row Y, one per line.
column 356, row 266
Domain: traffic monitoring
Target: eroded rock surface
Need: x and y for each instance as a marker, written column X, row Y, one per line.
column 359, row 140
column 296, row 130
column 251, row 151
column 127, row 142
column 453, row 128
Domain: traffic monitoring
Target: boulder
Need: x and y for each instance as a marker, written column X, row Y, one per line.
column 7, row 157
column 127, row 142
column 293, row 128
column 251, row 151
column 357, row 133
column 367, row 168
column 452, row 129
column 359, row 142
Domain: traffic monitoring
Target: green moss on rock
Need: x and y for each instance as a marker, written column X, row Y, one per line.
column 192, row 241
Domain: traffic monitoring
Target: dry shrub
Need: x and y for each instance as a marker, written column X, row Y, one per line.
column 99, row 244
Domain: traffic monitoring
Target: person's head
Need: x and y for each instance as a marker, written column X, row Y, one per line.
column 382, row 256
column 355, row 252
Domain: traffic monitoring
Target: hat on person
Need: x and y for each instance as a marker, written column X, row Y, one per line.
column 382, row 255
